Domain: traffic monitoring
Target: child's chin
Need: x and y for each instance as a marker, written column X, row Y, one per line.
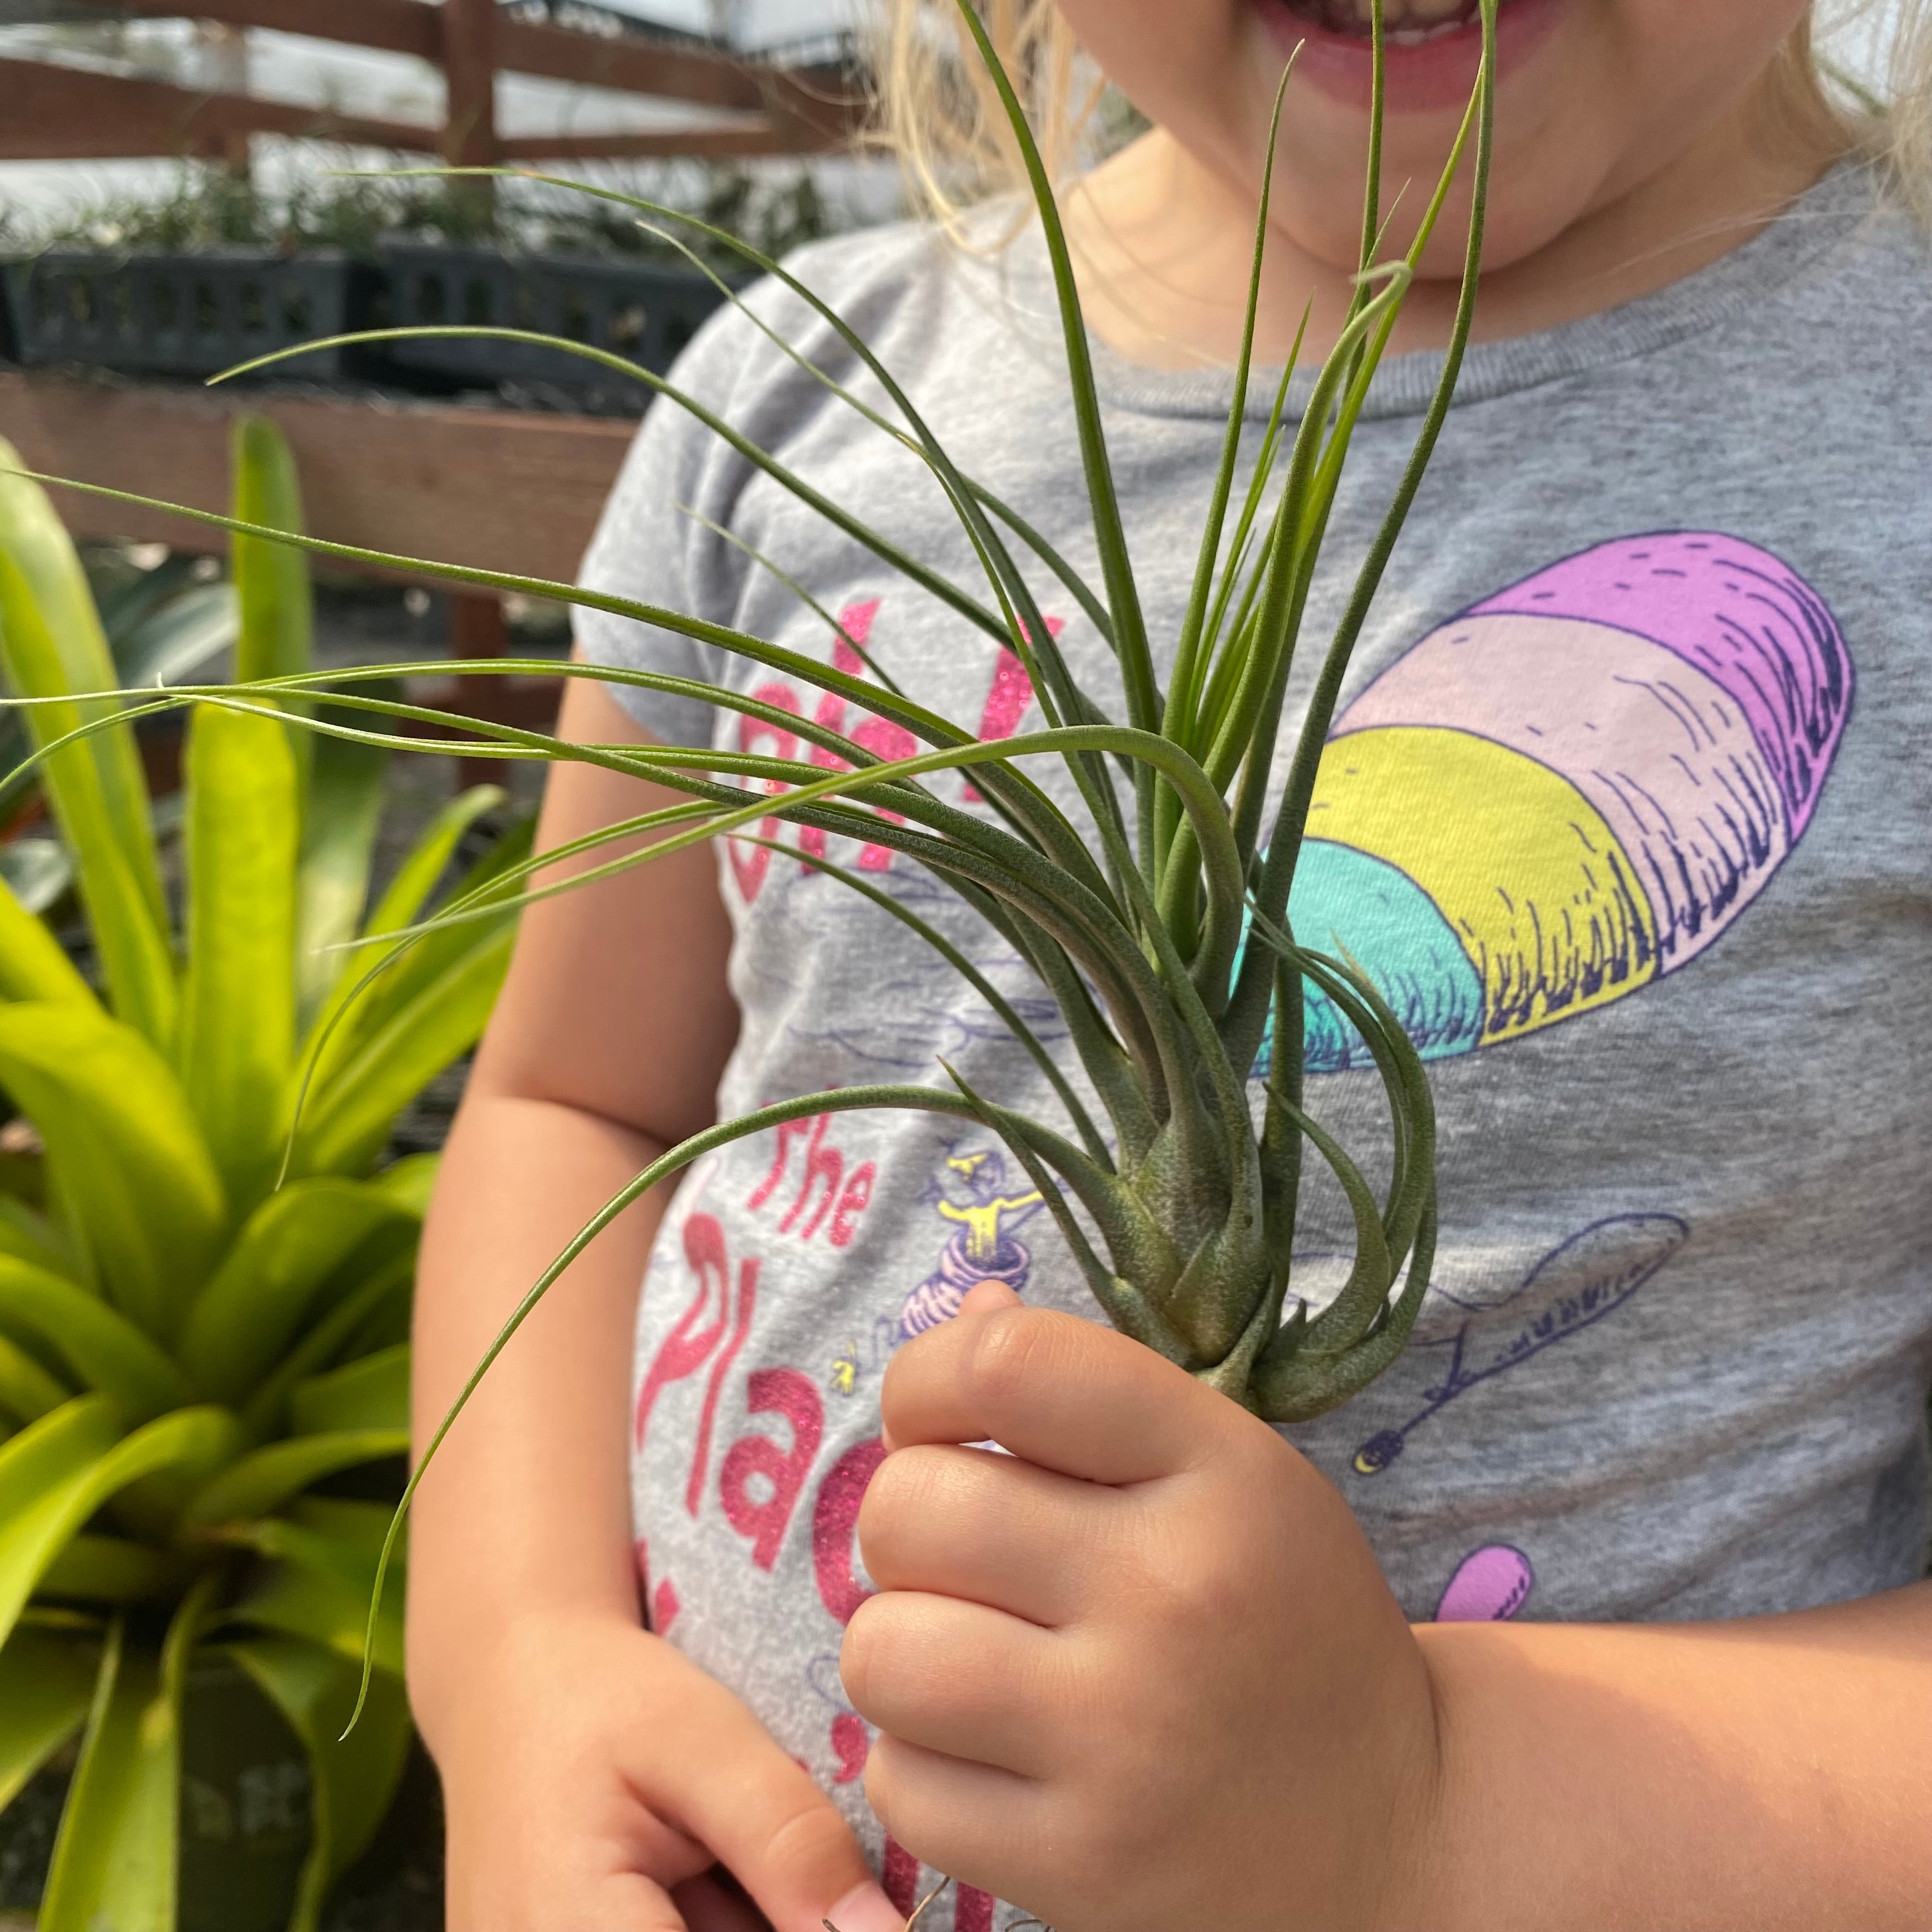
column 1429, row 65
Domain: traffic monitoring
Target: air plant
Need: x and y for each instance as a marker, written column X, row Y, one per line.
column 1161, row 928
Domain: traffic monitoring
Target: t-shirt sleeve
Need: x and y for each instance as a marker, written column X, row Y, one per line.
column 644, row 550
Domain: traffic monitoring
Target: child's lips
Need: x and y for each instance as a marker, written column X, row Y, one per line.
column 1432, row 48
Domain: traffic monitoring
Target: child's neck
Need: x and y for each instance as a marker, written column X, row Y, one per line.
column 1164, row 246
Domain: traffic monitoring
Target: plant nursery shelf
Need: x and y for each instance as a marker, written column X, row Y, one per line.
column 498, row 489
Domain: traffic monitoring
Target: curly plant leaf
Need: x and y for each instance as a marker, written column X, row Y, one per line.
column 47, row 1689
column 259, row 1484
column 102, row 1349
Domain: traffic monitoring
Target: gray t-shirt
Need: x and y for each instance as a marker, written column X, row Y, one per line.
column 1629, row 805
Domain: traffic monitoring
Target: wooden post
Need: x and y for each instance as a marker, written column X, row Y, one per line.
column 469, row 75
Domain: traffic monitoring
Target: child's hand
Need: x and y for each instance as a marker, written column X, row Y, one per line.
column 1147, row 1677
column 592, row 1779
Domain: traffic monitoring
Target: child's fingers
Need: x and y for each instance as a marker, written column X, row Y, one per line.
column 992, row 1529
column 765, row 1820
column 960, row 1678
column 1065, row 1394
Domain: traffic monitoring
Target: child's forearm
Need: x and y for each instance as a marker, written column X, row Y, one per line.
column 527, row 1508
column 1696, row 1777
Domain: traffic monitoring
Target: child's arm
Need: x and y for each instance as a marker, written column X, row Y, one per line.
column 587, row 1768
column 1149, row 1677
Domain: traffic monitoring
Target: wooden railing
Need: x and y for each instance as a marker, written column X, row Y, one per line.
column 49, row 112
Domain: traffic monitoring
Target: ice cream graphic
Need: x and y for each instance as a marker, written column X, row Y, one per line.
column 1489, row 1586
column 977, row 1198
column 1617, row 754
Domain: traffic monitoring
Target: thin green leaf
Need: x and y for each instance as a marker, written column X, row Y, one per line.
column 32, row 965
column 322, row 1586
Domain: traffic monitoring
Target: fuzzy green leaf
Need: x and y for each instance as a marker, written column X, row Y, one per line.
column 320, row 1587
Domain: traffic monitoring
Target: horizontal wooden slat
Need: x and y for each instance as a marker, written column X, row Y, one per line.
column 631, row 64
column 495, row 489
column 67, row 113
column 713, row 144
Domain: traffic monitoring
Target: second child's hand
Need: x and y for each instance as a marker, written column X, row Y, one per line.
column 1142, row 1673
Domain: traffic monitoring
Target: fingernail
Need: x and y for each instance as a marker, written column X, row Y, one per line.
column 865, row 1909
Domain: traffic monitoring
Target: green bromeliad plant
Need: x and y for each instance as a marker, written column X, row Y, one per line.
column 186, row 1347
column 1157, row 915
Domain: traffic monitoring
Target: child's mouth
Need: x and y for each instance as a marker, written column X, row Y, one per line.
column 1432, row 48
column 1405, row 23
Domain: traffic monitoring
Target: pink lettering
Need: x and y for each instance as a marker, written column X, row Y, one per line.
column 851, row 1744
column 821, row 1163
column 1006, row 703
column 763, row 1520
column 900, row 1877
column 835, row 1520
column 972, row 1909
column 787, row 1131
column 852, row 1203
column 704, row 1243
column 664, row 1607
column 684, row 1352
column 749, row 866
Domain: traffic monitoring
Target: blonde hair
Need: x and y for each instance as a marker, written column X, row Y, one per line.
column 937, row 110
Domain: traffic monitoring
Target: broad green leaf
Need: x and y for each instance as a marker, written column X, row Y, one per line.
column 133, row 1171
column 319, row 1588
column 54, row 1475
column 37, row 871
column 347, row 1124
column 236, row 1040
column 27, row 1390
column 355, row 1777
column 382, row 982
column 416, row 878
column 111, row 1570
column 51, row 644
column 103, row 1349
column 337, row 1337
column 271, row 1477
column 30, row 1237
column 410, row 1180
column 114, row 1863
column 270, row 579
column 169, row 645
column 32, row 965
column 343, row 808
column 46, row 1686
column 371, row 1393
column 311, row 1236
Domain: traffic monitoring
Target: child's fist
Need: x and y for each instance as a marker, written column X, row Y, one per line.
column 1141, row 1673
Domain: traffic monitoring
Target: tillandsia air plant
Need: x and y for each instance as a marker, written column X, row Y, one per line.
column 1161, row 931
